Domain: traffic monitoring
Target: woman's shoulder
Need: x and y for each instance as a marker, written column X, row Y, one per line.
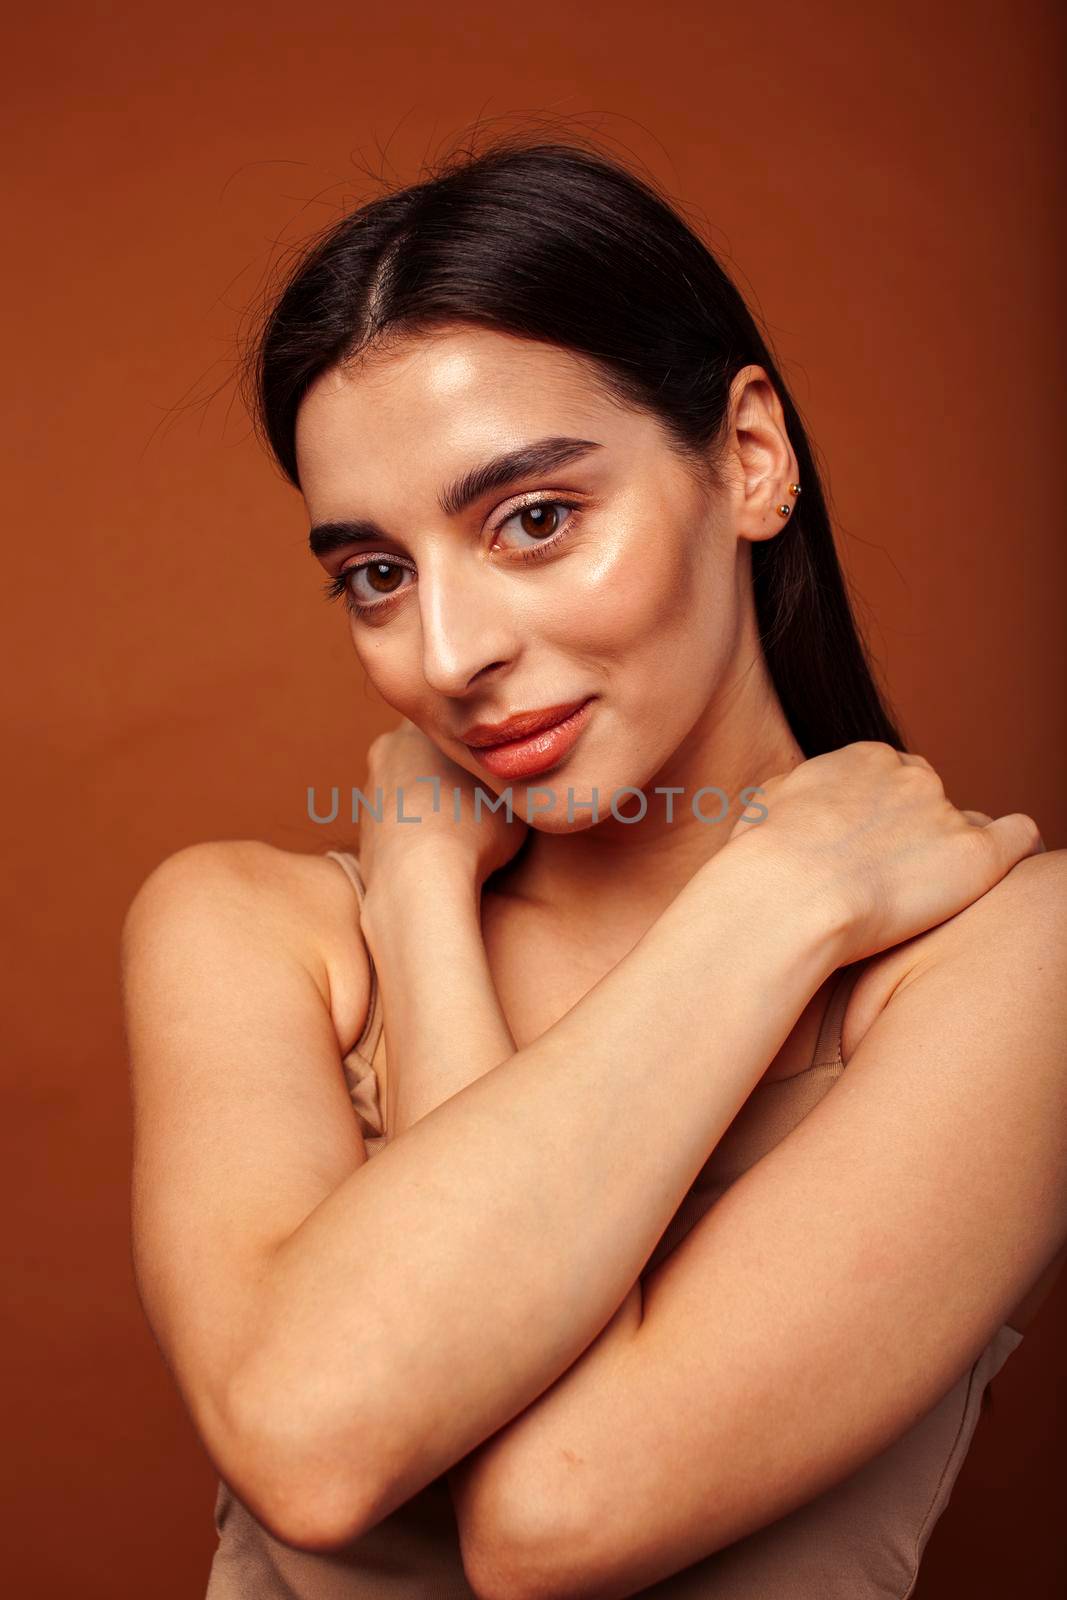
column 1023, row 916
column 294, row 883
column 301, row 903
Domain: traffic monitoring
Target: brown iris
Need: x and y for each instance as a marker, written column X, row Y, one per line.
column 547, row 512
column 385, row 570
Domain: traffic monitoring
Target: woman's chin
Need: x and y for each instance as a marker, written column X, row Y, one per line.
column 557, row 821
column 559, row 804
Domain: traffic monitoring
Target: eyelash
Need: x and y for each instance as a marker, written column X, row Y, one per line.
column 337, row 588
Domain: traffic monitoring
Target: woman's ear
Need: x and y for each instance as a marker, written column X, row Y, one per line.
column 764, row 469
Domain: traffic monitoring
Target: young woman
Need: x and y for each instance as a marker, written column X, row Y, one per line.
column 716, row 1096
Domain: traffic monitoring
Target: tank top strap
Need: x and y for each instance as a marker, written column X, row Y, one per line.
column 350, row 867
column 367, row 1042
column 828, row 1044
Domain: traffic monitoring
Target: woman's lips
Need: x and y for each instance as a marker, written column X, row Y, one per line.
column 520, row 758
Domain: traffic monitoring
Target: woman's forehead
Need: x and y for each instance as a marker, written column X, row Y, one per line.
column 458, row 366
column 444, row 404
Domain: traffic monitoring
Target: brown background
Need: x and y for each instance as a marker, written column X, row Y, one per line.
column 885, row 184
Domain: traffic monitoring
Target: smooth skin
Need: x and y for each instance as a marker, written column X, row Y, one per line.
column 554, row 1085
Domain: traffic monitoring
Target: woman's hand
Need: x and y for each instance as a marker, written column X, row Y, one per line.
column 870, row 832
column 396, row 761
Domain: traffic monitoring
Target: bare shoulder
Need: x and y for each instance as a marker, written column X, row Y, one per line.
column 301, row 903
column 1017, row 928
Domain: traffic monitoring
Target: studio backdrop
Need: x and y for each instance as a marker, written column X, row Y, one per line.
column 883, row 183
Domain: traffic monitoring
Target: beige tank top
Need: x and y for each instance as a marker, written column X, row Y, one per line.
column 862, row 1539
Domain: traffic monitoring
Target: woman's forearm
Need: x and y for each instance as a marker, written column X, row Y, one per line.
column 443, row 1286
column 444, row 1025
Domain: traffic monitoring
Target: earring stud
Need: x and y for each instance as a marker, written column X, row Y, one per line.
column 784, row 510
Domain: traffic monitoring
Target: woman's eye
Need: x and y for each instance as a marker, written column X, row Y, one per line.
column 539, row 520
column 367, row 586
column 382, row 577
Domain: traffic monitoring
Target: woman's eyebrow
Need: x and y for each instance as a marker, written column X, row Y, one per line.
column 541, row 455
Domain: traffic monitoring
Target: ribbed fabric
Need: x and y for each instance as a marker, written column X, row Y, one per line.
column 862, row 1539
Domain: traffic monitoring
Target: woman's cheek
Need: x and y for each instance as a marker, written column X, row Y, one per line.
column 389, row 670
column 619, row 598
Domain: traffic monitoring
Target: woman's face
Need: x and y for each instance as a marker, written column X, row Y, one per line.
column 601, row 574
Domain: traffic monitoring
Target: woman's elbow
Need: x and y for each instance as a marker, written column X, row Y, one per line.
column 516, row 1537
column 297, row 1483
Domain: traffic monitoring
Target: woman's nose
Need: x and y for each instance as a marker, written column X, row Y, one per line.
column 467, row 628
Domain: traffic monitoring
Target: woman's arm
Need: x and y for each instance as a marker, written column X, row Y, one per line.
column 441, row 1288
column 449, row 1030
column 831, row 1296
column 444, row 1026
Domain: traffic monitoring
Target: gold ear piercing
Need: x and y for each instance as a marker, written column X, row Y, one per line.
column 784, row 510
